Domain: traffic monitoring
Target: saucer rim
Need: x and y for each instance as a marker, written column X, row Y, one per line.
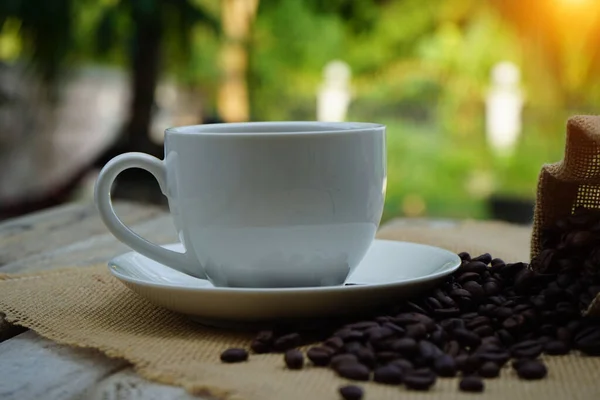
column 445, row 269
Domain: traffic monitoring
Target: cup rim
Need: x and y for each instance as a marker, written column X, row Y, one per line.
column 275, row 128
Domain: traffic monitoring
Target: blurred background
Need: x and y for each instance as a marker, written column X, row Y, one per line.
column 475, row 93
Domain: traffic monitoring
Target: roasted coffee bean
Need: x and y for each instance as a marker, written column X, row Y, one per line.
column 351, row 392
column 439, row 338
column 294, row 359
column 265, row 337
column 398, row 330
column 234, row 355
column 485, row 258
column 488, row 310
column 451, row 324
column 445, row 366
column 354, row 371
column 489, row 369
column 531, row 370
column 384, row 357
column 344, row 358
column 260, row 347
column 503, row 312
column 422, row 379
column 588, row 340
column 527, row 349
column 473, row 266
column 414, row 307
column 474, row 288
column 429, row 351
column 352, row 347
column 477, row 322
column 366, row 356
column 484, row 331
column 319, row 356
column 499, row 357
column 446, row 312
column 362, row 325
column 467, row 338
column 377, row 334
column 471, row 384
column 452, row 348
column 388, row 374
column 334, row 343
column 471, row 364
column 556, row 347
column 464, row 256
column 348, row 335
column 407, row 346
column 468, row 276
column 433, row 303
column 461, row 361
column 491, row 288
column 287, row 342
column 403, row 364
column 563, row 334
column 459, row 293
column 416, row 331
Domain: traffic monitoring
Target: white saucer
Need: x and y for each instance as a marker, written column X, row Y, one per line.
column 390, row 271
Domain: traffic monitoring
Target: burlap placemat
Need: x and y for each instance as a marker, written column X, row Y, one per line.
column 87, row 307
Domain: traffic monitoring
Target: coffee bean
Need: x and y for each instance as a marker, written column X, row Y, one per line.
column 319, row 356
column 527, row 349
column 428, row 351
column 464, row 256
column 362, row 325
column 474, row 288
column 407, row 346
column 354, row 371
column 420, row 379
column 484, row 331
column 461, row 361
column 351, row 392
column 445, row 366
column 294, row 359
column 471, row 384
column 334, row 343
column 265, row 337
column 485, row 258
column 398, row 330
column 446, row 312
column 531, row 370
column 556, row 347
column 468, row 276
column 467, row 338
column 388, row 374
column 416, row 331
column 384, row 357
column 452, row 348
column 260, row 347
column 234, row 355
column 460, row 293
column 433, row 303
column 489, row 369
column 473, row 266
column 471, row 364
column 287, row 342
column 588, row 340
column 496, row 356
column 344, row 358
column 366, row 356
column 439, row 337
column 491, row 288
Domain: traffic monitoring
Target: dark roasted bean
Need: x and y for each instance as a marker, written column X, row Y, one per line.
column 319, row 356
column 556, row 347
column 384, row 357
column 334, row 343
column 473, row 266
column 351, row 392
column 294, row 359
column 362, row 325
column 471, row 384
column 416, row 331
column 474, row 288
column 491, row 288
column 452, row 348
column 468, row 276
column 287, row 342
column 527, row 349
column 403, row 364
column 445, row 366
column 489, row 369
column 484, row 331
column 419, row 379
column 588, row 340
column 260, row 347
column 485, row 258
column 433, row 303
column 499, row 357
column 464, row 256
column 407, row 346
column 366, row 356
column 531, row 369
column 467, row 338
column 471, row 364
column 388, row 374
column 398, row 330
column 354, row 371
column 234, row 355
column 344, row 358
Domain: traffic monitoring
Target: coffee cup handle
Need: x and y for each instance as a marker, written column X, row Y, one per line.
column 182, row 262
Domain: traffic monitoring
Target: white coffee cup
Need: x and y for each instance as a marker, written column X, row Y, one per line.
column 263, row 204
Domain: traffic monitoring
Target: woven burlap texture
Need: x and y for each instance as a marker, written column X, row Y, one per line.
column 87, row 307
column 572, row 182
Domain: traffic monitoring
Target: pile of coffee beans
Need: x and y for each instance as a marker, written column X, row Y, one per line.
column 484, row 315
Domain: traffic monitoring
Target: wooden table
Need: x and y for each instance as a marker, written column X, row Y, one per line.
column 32, row 367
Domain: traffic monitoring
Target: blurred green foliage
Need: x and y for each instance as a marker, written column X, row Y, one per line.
column 420, row 66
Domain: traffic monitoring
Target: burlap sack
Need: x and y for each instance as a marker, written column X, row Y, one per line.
column 570, row 183
column 87, row 307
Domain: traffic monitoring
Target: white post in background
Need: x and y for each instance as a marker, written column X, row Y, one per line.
column 503, row 108
column 333, row 96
